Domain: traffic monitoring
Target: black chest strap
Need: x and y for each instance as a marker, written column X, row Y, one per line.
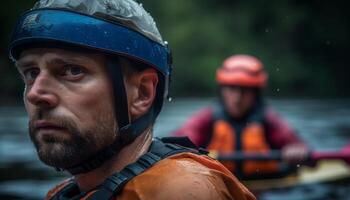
column 159, row 150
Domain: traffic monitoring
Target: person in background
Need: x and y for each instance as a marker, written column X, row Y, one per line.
column 95, row 76
column 241, row 122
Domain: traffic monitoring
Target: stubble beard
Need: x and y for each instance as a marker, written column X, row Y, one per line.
column 64, row 152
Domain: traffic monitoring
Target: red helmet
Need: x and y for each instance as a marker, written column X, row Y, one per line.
column 242, row 70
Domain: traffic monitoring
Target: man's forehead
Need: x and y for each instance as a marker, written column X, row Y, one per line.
column 35, row 54
column 59, row 51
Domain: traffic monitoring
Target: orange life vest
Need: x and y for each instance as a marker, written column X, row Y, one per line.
column 178, row 173
column 181, row 176
column 251, row 139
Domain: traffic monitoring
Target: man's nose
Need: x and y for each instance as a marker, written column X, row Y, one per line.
column 238, row 93
column 41, row 93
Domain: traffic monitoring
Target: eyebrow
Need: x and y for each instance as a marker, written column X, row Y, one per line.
column 24, row 64
column 56, row 61
column 60, row 61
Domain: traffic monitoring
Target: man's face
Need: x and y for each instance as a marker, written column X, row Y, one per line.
column 69, row 100
column 238, row 101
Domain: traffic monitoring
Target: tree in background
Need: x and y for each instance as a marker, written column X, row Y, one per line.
column 303, row 44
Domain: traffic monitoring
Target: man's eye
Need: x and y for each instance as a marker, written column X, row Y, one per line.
column 73, row 70
column 30, row 74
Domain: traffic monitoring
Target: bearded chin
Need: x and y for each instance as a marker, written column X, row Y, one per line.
column 78, row 146
column 64, row 154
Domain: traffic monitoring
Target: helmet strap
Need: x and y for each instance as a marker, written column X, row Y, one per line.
column 128, row 131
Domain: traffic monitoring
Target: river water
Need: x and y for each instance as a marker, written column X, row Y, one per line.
column 323, row 124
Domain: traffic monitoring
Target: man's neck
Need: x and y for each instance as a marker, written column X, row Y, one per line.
column 127, row 155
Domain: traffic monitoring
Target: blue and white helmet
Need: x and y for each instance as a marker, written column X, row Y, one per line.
column 114, row 27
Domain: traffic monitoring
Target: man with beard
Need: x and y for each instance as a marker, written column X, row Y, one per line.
column 95, row 75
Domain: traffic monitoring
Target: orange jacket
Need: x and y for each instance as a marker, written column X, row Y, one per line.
column 211, row 129
column 253, row 139
column 181, row 176
column 199, row 128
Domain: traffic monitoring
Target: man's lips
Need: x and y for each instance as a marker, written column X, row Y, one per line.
column 46, row 125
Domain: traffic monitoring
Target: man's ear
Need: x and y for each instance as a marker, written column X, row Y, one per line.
column 142, row 93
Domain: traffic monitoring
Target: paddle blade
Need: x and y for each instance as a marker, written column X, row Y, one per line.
column 343, row 154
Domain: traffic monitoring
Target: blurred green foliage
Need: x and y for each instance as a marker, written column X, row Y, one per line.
column 303, row 44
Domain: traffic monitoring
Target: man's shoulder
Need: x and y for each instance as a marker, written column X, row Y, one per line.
column 273, row 118
column 57, row 188
column 188, row 176
column 181, row 176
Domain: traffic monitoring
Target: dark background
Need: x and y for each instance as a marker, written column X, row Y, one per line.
column 303, row 44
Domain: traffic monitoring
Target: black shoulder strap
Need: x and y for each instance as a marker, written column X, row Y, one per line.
column 159, row 150
column 67, row 189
